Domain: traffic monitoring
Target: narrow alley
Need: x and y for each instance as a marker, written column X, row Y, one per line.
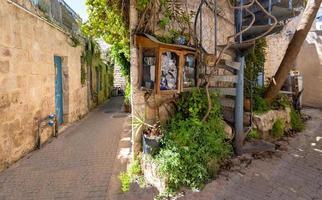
column 76, row 165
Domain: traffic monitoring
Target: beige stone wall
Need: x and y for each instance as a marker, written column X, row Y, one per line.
column 277, row 45
column 27, row 79
column 119, row 80
column 308, row 62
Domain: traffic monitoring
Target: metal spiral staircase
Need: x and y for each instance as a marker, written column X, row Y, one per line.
column 254, row 19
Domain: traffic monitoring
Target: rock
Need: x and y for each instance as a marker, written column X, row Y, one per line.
column 264, row 122
column 151, row 174
column 228, row 131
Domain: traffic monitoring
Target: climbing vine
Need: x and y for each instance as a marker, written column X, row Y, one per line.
column 109, row 20
column 255, row 61
column 168, row 18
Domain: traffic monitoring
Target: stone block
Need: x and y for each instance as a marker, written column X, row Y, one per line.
column 22, row 82
column 14, row 126
column 264, row 122
column 228, row 131
column 15, row 97
column 8, row 83
column 151, row 174
column 4, row 67
column 5, row 52
column 4, row 101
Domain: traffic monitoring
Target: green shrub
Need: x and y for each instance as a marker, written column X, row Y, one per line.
column 278, row 128
column 127, row 95
column 297, row 123
column 125, row 181
column 254, row 134
column 133, row 173
column 282, row 102
column 260, row 105
column 192, row 150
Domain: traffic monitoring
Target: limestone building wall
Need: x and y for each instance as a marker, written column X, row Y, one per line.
column 276, row 47
column 27, row 79
column 119, row 80
column 308, row 62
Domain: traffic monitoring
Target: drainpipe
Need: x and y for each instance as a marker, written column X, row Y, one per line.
column 239, row 103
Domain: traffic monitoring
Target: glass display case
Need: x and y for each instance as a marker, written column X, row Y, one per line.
column 166, row 68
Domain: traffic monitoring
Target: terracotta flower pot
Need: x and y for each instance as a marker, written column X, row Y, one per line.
column 247, row 104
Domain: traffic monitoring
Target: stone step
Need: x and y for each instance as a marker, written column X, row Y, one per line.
column 225, row 91
column 243, row 48
column 257, row 30
column 224, row 78
column 258, row 147
column 232, row 64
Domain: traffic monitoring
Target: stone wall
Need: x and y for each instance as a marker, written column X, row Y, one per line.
column 119, row 80
column 27, row 79
column 308, row 61
column 277, row 45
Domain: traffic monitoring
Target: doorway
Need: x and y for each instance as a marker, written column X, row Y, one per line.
column 59, row 90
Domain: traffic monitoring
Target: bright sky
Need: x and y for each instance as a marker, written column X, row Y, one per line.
column 79, row 7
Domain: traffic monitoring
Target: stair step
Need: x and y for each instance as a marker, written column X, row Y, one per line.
column 225, row 91
column 243, row 48
column 257, row 30
column 225, row 78
column 227, row 102
column 281, row 14
column 231, row 64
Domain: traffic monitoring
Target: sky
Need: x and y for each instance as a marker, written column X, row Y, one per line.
column 79, row 7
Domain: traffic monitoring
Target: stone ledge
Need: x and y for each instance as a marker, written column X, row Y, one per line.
column 264, row 122
column 152, row 175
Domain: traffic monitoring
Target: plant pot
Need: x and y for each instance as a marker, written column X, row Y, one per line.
column 151, row 144
column 247, row 104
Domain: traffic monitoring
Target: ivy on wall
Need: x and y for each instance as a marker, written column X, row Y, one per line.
column 255, row 61
column 99, row 70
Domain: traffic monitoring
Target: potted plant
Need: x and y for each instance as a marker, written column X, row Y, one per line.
column 152, row 136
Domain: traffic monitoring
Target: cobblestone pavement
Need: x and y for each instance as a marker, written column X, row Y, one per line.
column 295, row 174
column 77, row 165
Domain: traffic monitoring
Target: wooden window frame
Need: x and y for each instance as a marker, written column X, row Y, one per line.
column 145, row 43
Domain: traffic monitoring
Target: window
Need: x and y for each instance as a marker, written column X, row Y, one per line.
column 169, row 71
column 189, row 71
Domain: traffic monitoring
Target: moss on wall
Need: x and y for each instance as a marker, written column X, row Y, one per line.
column 105, row 82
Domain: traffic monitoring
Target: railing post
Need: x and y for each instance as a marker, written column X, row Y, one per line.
column 270, row 11
column 239, row 102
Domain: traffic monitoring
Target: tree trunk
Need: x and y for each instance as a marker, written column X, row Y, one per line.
column 293, row 50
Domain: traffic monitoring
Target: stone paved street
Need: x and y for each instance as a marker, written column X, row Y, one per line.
column 76, row 165
column 295, row 175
